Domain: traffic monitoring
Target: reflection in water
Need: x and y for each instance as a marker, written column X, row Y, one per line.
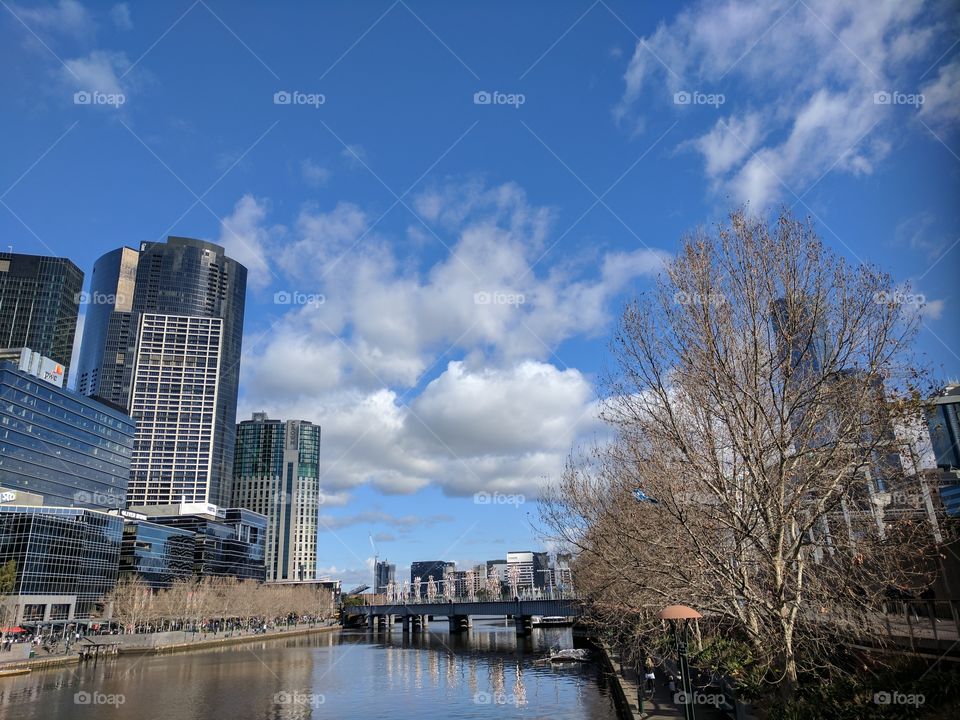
column 485, row 673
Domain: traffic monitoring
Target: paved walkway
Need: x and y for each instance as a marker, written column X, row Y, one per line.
column 661, row 705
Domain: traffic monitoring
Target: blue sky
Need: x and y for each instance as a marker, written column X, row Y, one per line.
column 432, row 276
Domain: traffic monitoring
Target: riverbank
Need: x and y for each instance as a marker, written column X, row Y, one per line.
column 14, row 668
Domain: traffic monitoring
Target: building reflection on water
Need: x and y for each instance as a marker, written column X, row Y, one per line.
column 430, row 675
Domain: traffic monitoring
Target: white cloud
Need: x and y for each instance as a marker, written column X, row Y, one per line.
column 941, row 96
column 120, row 15
column 799, row 81
column 313, row 173
column 67, row 17
column 99, row 71
column 247, row 241
column 497, row 414
column 933, row 309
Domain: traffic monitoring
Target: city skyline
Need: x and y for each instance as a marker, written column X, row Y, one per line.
column 436, row 291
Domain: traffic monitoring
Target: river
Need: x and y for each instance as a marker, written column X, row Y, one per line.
column 485, row 673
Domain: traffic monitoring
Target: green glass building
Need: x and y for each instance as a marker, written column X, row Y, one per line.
column 276, row 472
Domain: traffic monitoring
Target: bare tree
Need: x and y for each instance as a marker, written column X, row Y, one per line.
column 754, row 408
column 132, row 602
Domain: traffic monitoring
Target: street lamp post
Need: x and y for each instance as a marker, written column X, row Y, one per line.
column 683, row 615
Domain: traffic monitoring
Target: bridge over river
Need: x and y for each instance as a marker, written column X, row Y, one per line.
column 414, row 616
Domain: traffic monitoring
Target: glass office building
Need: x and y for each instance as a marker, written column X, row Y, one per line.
column 66, row 561
column 276, row 472
column 157, row 554
column 228, row 542
column 165, row 344
column 39, row 302
column 71, row 449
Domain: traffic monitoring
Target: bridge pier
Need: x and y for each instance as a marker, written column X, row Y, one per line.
column 523, row 624
column 406, row 624
column 459, row 623
column 370, row 622
column 384, row 622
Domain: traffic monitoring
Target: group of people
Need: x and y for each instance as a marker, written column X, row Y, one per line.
column 49, row 642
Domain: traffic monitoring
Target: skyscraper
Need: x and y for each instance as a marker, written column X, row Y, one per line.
column 276, row 472
column 386, row 573
column 163, row 339
column 39, row 302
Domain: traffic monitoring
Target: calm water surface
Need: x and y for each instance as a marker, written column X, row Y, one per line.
column 351, row 674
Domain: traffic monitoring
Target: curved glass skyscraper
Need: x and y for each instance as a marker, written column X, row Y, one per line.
column 162, row 339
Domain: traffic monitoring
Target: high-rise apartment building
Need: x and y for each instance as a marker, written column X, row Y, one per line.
column 39, row 302
column 163, row 339
column 277, row 473
column 386, row 575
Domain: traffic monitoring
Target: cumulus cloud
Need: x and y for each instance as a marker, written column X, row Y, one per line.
column 98, row 71
column 941, row 96
column 800, row 82
column 246, row 239
column 439, row 373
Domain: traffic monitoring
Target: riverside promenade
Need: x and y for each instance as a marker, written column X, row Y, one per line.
column 660, row 706
column 157, row 643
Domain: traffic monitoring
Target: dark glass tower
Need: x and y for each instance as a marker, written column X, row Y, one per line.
column 276, row 472
column 39, row 301
column 163, row 339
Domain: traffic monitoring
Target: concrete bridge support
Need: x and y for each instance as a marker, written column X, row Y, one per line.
column 384, row 622
column 523, row 623
column 406, row 624
column 459, row 623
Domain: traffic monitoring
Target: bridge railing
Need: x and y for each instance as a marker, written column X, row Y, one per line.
column 440, row 599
